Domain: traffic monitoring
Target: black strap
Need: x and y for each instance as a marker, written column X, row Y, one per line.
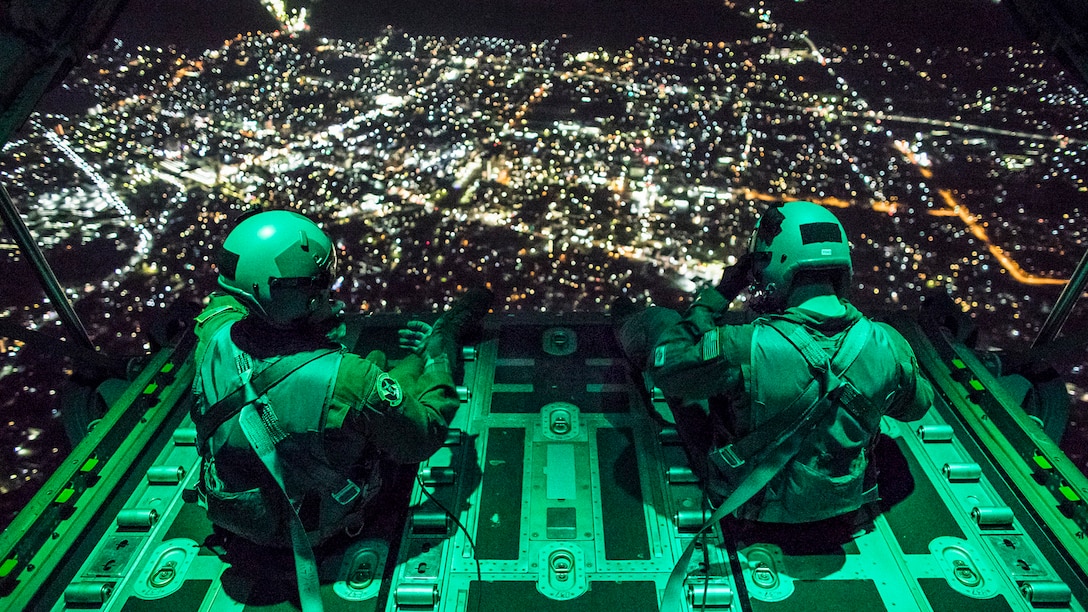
column 783, row 446
column 231, row 404
column 752, row 483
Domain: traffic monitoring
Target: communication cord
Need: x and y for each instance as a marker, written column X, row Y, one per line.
column 457, row 522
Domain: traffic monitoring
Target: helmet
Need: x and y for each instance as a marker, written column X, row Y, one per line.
column 280, row 264
column 797, row 236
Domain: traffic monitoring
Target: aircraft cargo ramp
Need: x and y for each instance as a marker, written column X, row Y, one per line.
column 561, row 487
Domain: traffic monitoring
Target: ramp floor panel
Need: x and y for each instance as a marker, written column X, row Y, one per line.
column 557, row 490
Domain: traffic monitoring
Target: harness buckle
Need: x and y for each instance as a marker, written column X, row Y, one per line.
column 348, row 494
column 730, row 456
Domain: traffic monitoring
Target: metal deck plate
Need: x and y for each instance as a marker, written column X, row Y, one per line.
column 558, row 491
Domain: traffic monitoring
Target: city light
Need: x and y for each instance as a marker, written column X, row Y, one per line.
column 559, row 177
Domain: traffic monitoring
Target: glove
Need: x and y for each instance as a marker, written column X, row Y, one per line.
column 413, row 336
column 736, row 277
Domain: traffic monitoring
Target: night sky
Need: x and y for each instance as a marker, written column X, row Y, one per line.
column 190, row 23
column 200, row 24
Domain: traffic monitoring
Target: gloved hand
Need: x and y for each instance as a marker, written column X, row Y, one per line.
column 441, row 343
column 736, row 277
column 413, row 336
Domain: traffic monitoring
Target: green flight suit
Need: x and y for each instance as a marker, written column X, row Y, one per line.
column 340, row 415
column 758, row 373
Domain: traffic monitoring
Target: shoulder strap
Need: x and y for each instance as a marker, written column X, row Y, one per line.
column 230, row 404
column 838, row 383
column 817, row 358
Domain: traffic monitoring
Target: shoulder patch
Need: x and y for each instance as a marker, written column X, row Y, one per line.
column 389, row 390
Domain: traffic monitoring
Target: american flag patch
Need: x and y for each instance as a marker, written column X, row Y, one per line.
column 711, row 348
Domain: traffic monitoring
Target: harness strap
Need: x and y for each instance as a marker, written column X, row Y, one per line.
column 229, row 405
column 342, row 490
column 776, row 455
column 777, row 439
column 309, row 592
column 830, row 374
column 852, row 345
column 736, row 454
column 802, row 340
